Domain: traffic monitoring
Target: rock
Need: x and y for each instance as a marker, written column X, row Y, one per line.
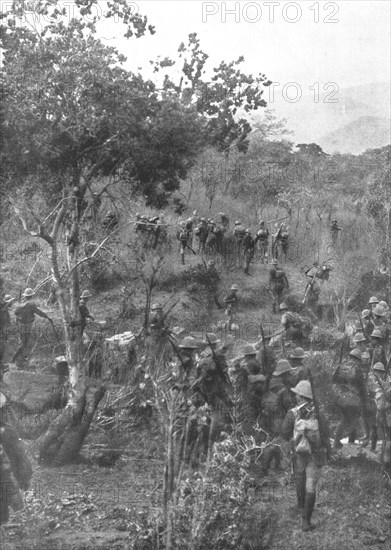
column 36, row 392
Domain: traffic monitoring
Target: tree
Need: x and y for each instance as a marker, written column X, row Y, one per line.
column 62, row 126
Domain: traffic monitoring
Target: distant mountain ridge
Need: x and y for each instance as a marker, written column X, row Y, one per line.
column 350, row 120
column 361, row 134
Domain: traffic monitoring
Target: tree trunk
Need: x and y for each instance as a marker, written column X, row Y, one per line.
column 64, row 438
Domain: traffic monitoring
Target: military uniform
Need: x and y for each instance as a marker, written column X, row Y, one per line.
column 349, row 388
column 25, row 316
column 238, row 234
column 334, row 229
column 248, row 245
column 310, row 440
column 278, row 282
column 382, row 383
column 262, row 238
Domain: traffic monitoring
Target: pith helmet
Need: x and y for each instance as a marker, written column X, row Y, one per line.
column 212, row 338
column 298, row 353
column 379, row 366
column 28, row 292
column 283, row 306
column 303, row 388
column 378, row 310
column 86, row 294
column 8, row 299
column 355, row 353
column 376, row 334
column 282, row 366
column 365, row 313
column 359, row 337
column 248, row 350
column 261, row 222
column 210, row 263
column 373, row 300
column 156, row 306
column 189, row 343
column 274, row 261
column 238, row 222
column 384, row 305
column 234, row 287
column 248, row 231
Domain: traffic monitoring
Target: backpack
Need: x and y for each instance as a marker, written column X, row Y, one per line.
column 306, row 431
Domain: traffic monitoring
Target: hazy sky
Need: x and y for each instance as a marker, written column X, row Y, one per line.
column 349, row 44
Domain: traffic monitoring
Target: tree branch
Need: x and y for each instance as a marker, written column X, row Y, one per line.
column 41, row 229
column 89, row 257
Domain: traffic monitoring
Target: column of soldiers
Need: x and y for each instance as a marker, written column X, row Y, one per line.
column 201, row 235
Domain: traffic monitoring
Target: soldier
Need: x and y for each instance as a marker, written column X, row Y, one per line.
column 278, row 282
column 376, row 348
column 255, row 386
column 373, row 302
column 248, row 245
column 238, row 234
column 283, row 242
column 262, row 238
column 301, row 372
column 15, row 466
column 309, row 432
column 201, row 232
column 370, row 420
column 231, row 301
column 365, row 317
column 312, row 291
column 350, row 387
column 224, row 220
column 183, row 237
column 383, row 415
column 292, row 324
column 378, row 322
column 334, row 229
column 84, row 311
column 188, row 347
column 25, row 315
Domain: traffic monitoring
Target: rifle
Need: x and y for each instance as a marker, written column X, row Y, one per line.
column 383, row 389
column 220, row 371
column 265, row 358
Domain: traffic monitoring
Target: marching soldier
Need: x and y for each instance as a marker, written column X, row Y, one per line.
column 301, row 372
column 238, row 234
column 262, row 238
column 231, row 301
column 334, row 230
column 248, row 245
column 183, row 237
column 291, row 324
column 350, row 388
column 25, row 316
column 376, row 348
column 201, row 232
column 278, row 282
column 224, row 220
column 186, row 364
column 308, row 431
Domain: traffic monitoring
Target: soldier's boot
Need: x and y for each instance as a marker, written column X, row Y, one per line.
column 337, row 438
column 300, row 491
column 309, row 504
